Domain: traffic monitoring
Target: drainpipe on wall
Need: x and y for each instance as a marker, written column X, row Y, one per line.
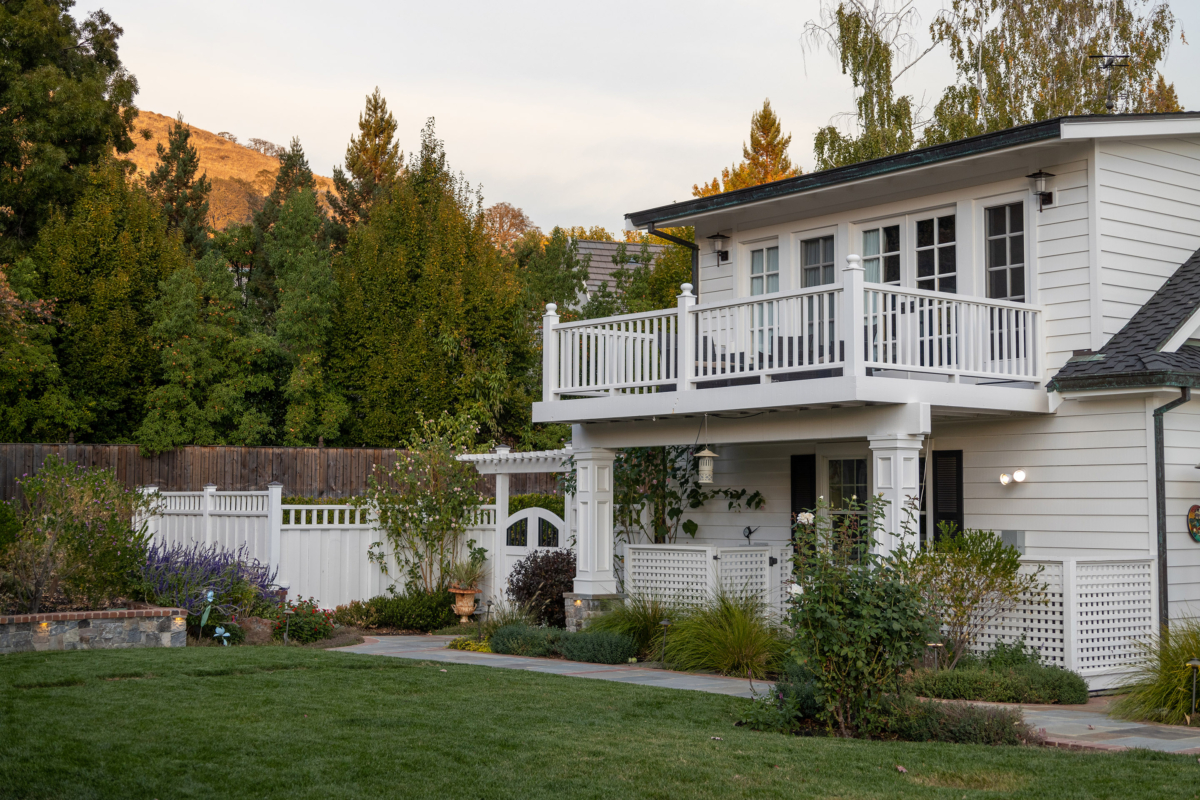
column 695, row 248
column 1160, row 491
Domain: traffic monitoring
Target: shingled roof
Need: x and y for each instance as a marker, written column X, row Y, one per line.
column 1132, row 357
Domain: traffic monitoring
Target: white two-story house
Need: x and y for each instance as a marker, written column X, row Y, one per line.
column 988, row 326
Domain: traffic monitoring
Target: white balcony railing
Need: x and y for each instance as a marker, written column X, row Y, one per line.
column 794, row 335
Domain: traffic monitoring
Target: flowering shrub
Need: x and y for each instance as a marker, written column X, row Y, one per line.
column 426, row 501
column 308, row 623
column 82, row 533
column 468, row 643
column 182, row 576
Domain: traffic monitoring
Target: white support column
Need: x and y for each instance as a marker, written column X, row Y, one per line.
column 549, row 352
column 274, row 523
column 594, row 501
column 501, row 567
column 897, row 478
column 687, row 339
column 210, row 496
column 853, row 313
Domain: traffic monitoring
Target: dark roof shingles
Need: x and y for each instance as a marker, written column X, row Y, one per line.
column 1134, row 349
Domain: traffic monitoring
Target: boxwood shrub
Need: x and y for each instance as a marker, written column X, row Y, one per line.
column 523, row 640
column 1030, row 683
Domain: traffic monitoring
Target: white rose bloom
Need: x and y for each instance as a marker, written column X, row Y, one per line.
column 795, row 589
column 806, row 518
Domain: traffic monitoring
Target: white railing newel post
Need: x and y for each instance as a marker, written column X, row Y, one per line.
column 686, row 347
column 549, row 352
column 274, row 523
column 853, row 317
column 210, row 496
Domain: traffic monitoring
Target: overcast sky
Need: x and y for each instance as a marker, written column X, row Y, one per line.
column 575, row 112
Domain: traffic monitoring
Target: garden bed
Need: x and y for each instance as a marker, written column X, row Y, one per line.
column 93, row 630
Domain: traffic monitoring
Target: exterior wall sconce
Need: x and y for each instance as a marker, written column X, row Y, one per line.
column 718, row 246
column 1017, row 476
column 706, row 457
column 1044, row 197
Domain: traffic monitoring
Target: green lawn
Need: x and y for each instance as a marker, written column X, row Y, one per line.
column 297, row 723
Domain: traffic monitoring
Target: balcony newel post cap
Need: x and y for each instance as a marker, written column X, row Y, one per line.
column 685, row 290
column 853, row 262
column 551, row 309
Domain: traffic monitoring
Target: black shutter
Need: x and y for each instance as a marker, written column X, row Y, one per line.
column 947, row 488
column 804, row 484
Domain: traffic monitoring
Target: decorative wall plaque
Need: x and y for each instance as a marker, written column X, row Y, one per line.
column 1194, row 523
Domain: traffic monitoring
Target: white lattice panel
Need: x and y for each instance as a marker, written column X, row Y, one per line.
column 744, row 570
column 1114, row 607
column 1039, row 619
column 785, row 578
column 679, row 574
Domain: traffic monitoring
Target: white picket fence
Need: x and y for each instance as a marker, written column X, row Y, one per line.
column 319, row 551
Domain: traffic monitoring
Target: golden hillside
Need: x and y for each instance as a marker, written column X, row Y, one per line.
column 240, row 177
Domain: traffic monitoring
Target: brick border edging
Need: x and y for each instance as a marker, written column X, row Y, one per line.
column 64, row 616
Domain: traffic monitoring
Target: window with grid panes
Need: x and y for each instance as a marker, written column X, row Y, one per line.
column 1005, row 228
column 764, row 271
column 847, row 481
column 881, row 255
column 937, row 268
column 817, row 256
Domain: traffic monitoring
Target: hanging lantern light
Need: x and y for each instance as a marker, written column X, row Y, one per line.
column 706, row 457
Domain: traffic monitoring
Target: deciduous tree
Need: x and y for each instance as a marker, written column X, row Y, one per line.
column 507, row 225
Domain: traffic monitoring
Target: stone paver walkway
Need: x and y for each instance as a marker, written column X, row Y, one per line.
column 1081, row 727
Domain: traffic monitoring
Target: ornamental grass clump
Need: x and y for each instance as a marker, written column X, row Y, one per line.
column 82, row 536
column 640, row 618
column 1162, row 680
column 732, row 634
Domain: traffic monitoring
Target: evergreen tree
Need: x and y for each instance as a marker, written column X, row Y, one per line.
column 183, row 196
column 373, row 159
column 764, row 159
column 104, row 262
column 262, row 293
column 216, row 374
column 550, row 271
column 65, row 103
column 307, row 294
column 429, row 319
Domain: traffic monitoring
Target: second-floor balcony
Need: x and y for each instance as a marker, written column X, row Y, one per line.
column 848, row 343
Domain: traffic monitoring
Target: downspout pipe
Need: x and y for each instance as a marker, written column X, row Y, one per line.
column 1160, row 492
column 695, row 248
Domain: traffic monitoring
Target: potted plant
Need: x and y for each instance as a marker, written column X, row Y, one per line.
column 464, row 583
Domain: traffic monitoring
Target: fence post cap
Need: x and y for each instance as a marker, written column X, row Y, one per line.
column 274, row 483
column 208, row 486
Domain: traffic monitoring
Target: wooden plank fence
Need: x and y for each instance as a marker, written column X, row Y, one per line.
column 303, row 471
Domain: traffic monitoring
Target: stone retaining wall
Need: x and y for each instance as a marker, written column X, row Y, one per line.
column 93, row 630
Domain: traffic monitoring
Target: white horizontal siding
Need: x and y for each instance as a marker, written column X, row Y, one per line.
column 1086, row 495
column 1148, row 197
column 1062, row 275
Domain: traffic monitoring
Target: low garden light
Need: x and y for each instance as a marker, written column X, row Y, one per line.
column 666, row 623
column 936, row 647
column 1195, row 665
column 706, row 457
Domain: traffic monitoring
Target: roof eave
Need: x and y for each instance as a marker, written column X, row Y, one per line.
column 976, row 145
column 1127, row 380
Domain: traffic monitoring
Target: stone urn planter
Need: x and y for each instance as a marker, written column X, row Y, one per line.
column 464, row 602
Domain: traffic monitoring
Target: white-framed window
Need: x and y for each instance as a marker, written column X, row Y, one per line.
column 1004, row 251
column 881, row 254
column 764, row 270
column 847, row 482
column 936, row 254
column 817, row 261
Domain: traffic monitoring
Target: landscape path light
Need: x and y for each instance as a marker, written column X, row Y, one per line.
column 666, row 623
column 1195, row 665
